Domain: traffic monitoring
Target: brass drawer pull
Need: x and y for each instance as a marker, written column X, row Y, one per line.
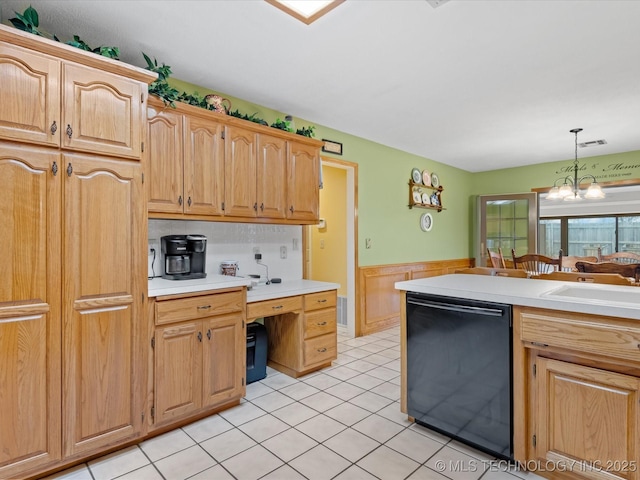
column 204, row 307
column 277, row 307
column 324, row 300
column 320, row 324
column 322, row 350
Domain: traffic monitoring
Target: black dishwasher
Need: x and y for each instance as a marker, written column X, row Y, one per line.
column 459, row 370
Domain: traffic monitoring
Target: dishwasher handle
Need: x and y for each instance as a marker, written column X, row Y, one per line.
column 490, row 312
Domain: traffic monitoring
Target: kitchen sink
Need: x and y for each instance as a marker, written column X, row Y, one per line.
column 598, row 294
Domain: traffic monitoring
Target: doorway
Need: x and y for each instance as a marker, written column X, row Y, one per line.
column 330, row 254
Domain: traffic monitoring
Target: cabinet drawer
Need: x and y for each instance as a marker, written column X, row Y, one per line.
column 316, row 301
column 198, row 307
column 319, row 323
column 268, row 308
column 320, row 349
column 609, row 339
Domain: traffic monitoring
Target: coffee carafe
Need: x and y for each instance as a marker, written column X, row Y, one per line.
column 184, row 256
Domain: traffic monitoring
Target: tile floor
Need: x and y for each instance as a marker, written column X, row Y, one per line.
column 342, row 423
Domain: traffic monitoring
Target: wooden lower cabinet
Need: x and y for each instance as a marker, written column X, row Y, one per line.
column 301, row 331
column 30, row 361
column 103, row 236
column 577, row 394
column 70, row 306
column 587, row 417
column 198, row 364
column 178, row 371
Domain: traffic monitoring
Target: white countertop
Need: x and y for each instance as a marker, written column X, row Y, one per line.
column 597, row 299
column 288, row 288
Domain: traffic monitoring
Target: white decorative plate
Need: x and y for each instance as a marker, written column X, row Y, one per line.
column 426, row 222
column 425, row 198
column 435, row 181
column 417, row 198
column 426, row 177
column 416, row 176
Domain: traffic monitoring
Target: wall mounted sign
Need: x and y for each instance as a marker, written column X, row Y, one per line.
column 332, row 147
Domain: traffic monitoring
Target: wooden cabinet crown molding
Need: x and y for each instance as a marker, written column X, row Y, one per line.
column 67, row 52
column 192, row 110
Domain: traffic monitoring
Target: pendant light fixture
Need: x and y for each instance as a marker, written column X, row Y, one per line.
column 570, row 189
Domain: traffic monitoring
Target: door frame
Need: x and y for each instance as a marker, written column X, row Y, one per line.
column 352, row 241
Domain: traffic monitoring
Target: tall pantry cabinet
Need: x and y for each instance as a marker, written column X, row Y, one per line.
column 72, row 286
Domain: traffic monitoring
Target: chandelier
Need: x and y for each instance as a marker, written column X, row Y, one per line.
column 570, row 189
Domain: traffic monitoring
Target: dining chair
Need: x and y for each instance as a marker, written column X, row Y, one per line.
column 608, row 278
column 628, row 270
column 494, row 272
column 535, row 263
column 568, row 262
column 618, row 257
column 496, row 258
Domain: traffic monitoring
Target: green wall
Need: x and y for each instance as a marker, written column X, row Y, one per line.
column 383, row 174
column 606, row 168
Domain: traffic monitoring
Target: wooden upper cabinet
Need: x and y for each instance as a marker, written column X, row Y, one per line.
column 240, row 172
column 203, row 166
column 102, row 112
column 220, row 168
column 29, row 96
column 29, row 309
column 271, row 193
column 103, row 274
column 302, row 182
column 58, row 103
column 164, row 183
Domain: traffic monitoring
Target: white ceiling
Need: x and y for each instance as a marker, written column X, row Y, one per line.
column 477, row 84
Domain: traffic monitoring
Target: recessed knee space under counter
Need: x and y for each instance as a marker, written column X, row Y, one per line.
column 197, row 360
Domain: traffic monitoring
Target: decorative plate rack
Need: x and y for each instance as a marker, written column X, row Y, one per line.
column 417, row 196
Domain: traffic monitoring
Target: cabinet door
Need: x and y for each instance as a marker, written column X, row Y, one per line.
column 271, row 177
column 103, row 270
column 223, row 358
column 102, row 112
column 164, row 182
column 240, row 173
column 29, row 96
column 178, row 370
column 588, row 415
column 203, row 166
column 302, row 186
column 29, row 309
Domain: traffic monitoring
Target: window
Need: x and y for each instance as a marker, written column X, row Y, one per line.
column 582, row 236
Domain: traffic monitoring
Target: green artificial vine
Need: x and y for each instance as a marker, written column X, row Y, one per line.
column 282, row 125
column 252, row 118
column 109, row 52
column 29, row 21
column 161, row 87
column 306, row 131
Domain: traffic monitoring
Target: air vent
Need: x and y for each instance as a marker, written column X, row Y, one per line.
column 437, row 3
column 592, row 143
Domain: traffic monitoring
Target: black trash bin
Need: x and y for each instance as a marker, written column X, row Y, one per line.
column 256, row 352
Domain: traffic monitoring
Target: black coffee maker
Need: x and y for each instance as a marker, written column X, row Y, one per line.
column 184, row 256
